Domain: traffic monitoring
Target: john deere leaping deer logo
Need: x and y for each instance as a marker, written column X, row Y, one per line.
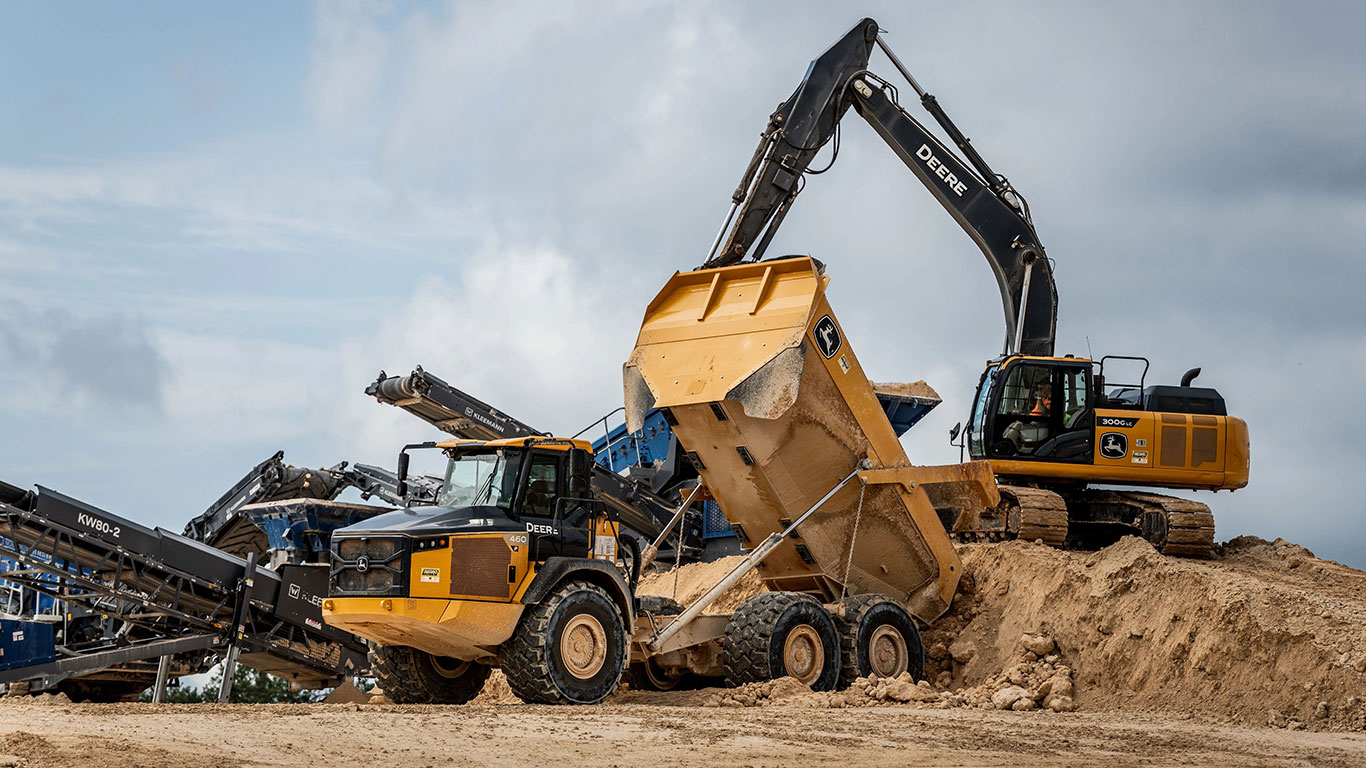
column 827, row 337
column 1114, row 445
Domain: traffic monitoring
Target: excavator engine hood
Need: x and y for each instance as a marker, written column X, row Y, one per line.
column 768, row 399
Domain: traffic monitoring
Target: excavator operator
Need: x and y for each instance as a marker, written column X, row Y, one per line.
column 1043, row 399
column 1032, row 429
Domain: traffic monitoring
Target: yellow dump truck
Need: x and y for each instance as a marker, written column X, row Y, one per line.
column 519, row 567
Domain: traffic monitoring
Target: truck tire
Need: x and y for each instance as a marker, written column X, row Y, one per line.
column 410, row 676
column 878, row 636
column 568, row 649
column 778, row 634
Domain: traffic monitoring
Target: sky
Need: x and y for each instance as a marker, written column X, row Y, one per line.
column 219, row 223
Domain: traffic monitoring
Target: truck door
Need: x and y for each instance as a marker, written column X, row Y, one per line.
column 565, row 525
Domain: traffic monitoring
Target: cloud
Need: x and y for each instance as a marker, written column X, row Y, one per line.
column 526, row 328
column 62, row 360
column 495, row 191
column 349, row 55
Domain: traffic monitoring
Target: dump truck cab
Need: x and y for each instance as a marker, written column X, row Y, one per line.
column 447, row 591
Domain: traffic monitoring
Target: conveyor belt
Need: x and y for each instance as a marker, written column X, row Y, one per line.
column 457, row 413
column 165, row 591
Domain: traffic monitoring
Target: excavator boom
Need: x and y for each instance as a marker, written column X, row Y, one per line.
column 983, row 203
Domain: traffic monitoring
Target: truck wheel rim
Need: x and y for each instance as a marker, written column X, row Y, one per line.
column 448, row 667
column 887, row 654
column 804, row 654
column 583, row 646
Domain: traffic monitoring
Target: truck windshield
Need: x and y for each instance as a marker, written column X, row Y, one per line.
column 481, row 479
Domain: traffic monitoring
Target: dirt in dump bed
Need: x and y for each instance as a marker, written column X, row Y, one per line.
column 1264, row 633
column 907, row 389
column 693, row 579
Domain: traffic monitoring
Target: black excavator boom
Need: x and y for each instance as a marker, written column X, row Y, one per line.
column 983, row 202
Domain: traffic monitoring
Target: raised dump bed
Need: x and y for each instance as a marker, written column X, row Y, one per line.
column 767, row 396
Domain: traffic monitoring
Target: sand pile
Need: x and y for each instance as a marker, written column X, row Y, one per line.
column 907, row 389
column 1036, row 680
column 41, row 699
column 496, row 690
column 347, row 693
column 1263, row 633
column 693, row 579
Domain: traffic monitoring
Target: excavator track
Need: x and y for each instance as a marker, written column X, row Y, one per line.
column 1189, row 524
column 1031, row 514
column 1174, row 526
column 1041, row 515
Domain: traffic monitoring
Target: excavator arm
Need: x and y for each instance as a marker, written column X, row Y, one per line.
column 983, row 202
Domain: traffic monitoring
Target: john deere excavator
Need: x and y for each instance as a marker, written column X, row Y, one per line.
column 1055, row 429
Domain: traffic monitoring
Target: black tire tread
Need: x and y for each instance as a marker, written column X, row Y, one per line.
column 744, row 649
column 525, row 657
column 848, row 622
column 399, row 673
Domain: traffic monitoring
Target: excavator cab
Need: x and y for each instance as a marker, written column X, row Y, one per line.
column 1059, row 418
column 1034, row 409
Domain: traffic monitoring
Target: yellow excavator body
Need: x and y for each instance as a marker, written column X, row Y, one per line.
column 1126, row 446
column 1166, row 450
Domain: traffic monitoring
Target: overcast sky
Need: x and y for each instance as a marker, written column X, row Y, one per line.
column 218, row 224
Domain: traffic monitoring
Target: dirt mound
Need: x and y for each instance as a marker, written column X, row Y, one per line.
column 906, row 389
column 496, row 690
column 1035, row 679
column 1262, row 633
column 693, row 579
column 39, row 699
column 347, row 693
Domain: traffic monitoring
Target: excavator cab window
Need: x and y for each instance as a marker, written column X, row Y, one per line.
column 977, row 437
column 1043, row 412
column 1024, row 410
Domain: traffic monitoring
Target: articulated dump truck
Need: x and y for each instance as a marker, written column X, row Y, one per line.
column 517, row 566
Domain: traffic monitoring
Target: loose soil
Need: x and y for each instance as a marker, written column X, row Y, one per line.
column 1113, row 658
column 1263, row 633
column 907, row 389
column 634, row 734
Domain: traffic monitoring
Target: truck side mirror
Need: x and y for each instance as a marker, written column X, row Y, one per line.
column 402, row 487
column 580, row 464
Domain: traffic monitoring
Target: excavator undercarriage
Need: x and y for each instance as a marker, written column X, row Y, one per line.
column 1089, row 518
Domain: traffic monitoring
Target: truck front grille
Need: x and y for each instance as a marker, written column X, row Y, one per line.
column 370, row 566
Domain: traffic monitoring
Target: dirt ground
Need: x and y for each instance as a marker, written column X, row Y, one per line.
column 1120, row 657
column 633, row 733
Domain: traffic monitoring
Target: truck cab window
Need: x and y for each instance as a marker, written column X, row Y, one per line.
column 479, row 479
column 542, row 485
